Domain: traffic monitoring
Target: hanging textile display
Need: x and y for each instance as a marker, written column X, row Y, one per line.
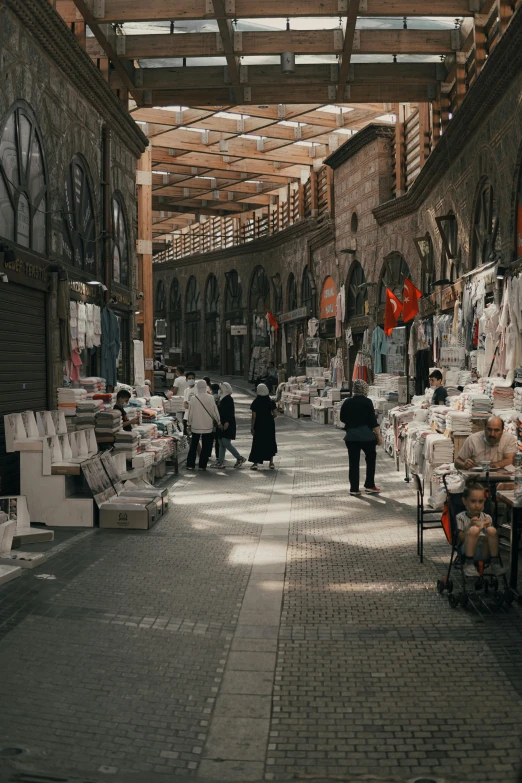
column 313, row 326
column 110, row 346
column 339, row 311
column 139, row 363
column 283, row 345
column 349, row 337
column 379, row 348
column 363, row 360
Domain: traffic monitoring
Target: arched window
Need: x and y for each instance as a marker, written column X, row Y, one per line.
column 120, row 244
column 175, row 314
column 306, row 290
column 259, row 291
column 451, row 250
column 161, row 299
column 485, row 241
column 193, row 296
column 394, row 270
column 23, row 185
column 278, row 293
column 427, row 257
column 212, row 296
column 233, row 292
column 291, row 289
column 357, row 292
column 78, row 228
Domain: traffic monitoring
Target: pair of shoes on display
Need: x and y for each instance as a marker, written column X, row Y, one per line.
column 240, row 462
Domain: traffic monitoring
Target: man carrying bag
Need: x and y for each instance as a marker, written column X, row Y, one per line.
column 203, row 416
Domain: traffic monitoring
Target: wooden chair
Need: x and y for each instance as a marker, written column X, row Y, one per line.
column 425, row 520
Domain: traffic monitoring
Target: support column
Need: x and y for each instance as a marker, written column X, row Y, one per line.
column 144, row 250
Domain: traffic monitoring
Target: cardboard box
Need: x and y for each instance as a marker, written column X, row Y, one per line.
column 126, row 515
column 141, row 496
column 146, row 492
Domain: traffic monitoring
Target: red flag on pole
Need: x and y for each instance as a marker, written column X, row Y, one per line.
column 410, row 300
column 392, row 311
column 272, row 320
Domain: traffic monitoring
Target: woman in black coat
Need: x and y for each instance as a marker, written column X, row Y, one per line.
column 264, row 446
column 227, row 414
column 362, row 432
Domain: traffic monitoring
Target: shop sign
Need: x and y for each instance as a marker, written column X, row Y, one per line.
column 149, row 364
column 83, row 289
column 238, row 329
column 329, row 299
column 294, row 315
column 33, row 271
column 450, row 295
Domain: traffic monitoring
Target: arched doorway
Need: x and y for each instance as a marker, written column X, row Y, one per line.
column 258, row 303
column 395, row 270
column 356, row 310
column 212, row 330
column 291, row 292
column 451, row 262
column 234, row 317
column 193, row 324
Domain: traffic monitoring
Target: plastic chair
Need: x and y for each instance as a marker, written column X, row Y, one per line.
column 425, row 520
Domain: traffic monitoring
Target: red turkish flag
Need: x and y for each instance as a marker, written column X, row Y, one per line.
column 410, row 300
column 272, row 320
column 392, row 311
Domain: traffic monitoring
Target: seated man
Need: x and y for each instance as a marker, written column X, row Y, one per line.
column 122, row 398
column 493, row 445
column 440, row 394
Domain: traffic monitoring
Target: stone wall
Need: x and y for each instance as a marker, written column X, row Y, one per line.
column 70, row 126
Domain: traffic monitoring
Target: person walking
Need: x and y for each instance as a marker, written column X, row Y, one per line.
column 264, row 411
column 362, row 432
column 203, row 415
column 225, row 436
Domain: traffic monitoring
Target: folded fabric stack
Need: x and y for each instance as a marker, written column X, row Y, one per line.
column 148, row 414
column 439, row 449
column 438, row 417
column 479, row 405
column 108, row 399
column 464, row 378
column 67, row 401
column 86, row 411
column 127, row 442
column 501, row 394
column 459, row 422
column 388, row 382
column 108, row 422
column 517, row 398
column 93, row 384
column 143, row 460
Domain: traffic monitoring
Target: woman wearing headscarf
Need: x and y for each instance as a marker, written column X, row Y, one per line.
column 264, row 446
column 227, row 414
column 203, row 416
column 362, row 432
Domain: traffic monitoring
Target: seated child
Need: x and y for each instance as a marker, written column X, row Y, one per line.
column 477, row 534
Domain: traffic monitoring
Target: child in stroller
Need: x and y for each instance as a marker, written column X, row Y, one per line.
column 478, row 537
column 470, row 530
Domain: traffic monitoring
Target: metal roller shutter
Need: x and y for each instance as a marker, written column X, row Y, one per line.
column 23, row 379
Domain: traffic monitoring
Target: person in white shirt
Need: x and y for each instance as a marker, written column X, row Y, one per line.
column 180, row 381
column 203, row 416
column 187, row 394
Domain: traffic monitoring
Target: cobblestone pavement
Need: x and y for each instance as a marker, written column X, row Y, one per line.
column 271, row 627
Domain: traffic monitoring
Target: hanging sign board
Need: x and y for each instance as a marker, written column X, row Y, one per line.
column 238, row 329
column 149, row 364
column 329, row 299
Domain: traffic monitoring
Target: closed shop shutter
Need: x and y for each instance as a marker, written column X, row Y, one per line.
column 23, row 379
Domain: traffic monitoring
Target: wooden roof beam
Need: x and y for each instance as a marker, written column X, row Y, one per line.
column 159, row 10
column 226, row 33
column 251, row 169
column 359, row 93
column 214, row 78
column 272, row 43
column 344, row 60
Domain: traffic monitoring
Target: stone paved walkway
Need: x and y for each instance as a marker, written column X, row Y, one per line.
column 270, row 628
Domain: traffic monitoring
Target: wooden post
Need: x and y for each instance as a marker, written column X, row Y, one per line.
column 461, row 77
column 79, row 33
column 437, row 112
column 480, row 47
column 314, row 206
column 144, row 188
column 424, row 130
column 505, row 14
column 445, row 112
column 301, row 197
column 330, row 191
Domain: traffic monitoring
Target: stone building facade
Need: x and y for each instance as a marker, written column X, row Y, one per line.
column 57, row 115
column 460, row 212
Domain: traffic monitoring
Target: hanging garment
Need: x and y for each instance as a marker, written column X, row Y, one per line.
column 139, row 363
column 339, row 312
column 379, row 348
column 283, row 345
column 422, row 371
column 110, row 346
column 349, row 337
column 313, row 326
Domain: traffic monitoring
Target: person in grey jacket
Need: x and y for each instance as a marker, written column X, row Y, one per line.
column 203, row 416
